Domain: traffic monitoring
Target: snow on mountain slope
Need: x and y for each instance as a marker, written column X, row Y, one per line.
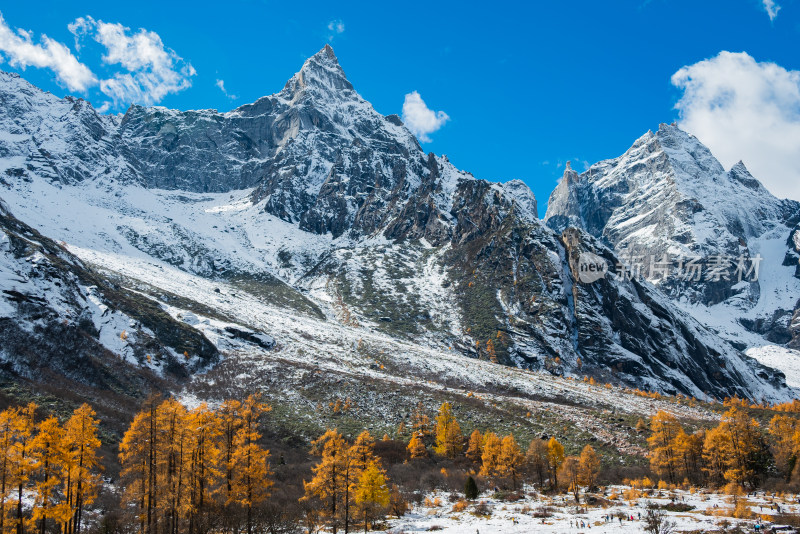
column 667, row 196
column 313, row 209
column 65, row 326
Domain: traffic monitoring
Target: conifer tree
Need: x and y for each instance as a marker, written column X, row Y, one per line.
column 449, row 440
column 716, row 451
column 22, row 461
column 475, row 447
column 205, row 432
column 250, row 481
column 665, row 428
column 363, row 451
column 420, row 422
column 172, row 420
column 139, row 456
column 782, row 430
column 230, row 420
column 82, row 443
column 589, row 466
column 537, row 459
column 555, row 457
column 470, row 489
column 330, row 483
column 9, row 422
column 416, row 447
column 372, row 494
column 570, row 475
column 510, row 460
column 490, row 459
column 749, row 458
column 689, row 450
column 49, row 454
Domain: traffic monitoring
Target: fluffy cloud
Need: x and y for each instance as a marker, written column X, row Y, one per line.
column 771, row 8
column 20, row 51
column 335, row 27
column 420, row 119
column 151, row 71
column 221, row 85
column 743, row 109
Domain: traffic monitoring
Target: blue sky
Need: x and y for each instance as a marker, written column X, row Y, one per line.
column 524, row 87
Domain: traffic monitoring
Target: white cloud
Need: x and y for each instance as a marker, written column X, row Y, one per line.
column 221, row 85
column 20, row 51
column 152, row 70
column 742, row 109
column 336, row 27
column 771, row 8
column 420, row 119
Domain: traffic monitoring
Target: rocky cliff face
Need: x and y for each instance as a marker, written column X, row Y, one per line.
column 312, row 201
column 68, row 329
column 667, row 199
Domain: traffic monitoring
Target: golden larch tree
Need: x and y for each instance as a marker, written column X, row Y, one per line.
column 372, row 494
column 250, row 482
column 555, row 457
column 511, row 460
column 490, row 459
column 330, row 483
column 664, row 427
column 49, row 454
column 449, row 440
column 82, row 444
column 782, row 430
column 537, row 459
column 589, row 466
column 22, row 461
column 570, row 475
column 416, row 447
column 475, row 447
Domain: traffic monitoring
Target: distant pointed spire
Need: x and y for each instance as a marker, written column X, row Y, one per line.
column 321, row 71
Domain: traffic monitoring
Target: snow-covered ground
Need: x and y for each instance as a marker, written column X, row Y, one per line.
column 708, row 511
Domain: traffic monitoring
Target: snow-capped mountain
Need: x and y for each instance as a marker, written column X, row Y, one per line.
column 669, row 197
column 308, row 211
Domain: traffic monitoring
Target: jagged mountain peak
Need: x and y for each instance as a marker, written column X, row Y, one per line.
column 321, row 73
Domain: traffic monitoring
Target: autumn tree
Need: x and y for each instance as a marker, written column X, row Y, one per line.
column 83, row 462
column 475, row 447
column 783, row 430
column 416, row 447
column 204, row 469
column 689, row 451
column 570, row 472
column 172, row 427
column 665, row 428
column 420, row 422
column 510, row 460
column 49, row 454
column 372, row 493
column 716, row 451
column 363, row 451
column 250, row 481
column 589, row 466
column 749, row 458
column 490, row 351
column 449, row 440
column 537, row 460
column 555, row 457
column 490, row 459
column 9, row 422
column 333, row 478
column 22, row 461
column 230, row 420
column 138, row 455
